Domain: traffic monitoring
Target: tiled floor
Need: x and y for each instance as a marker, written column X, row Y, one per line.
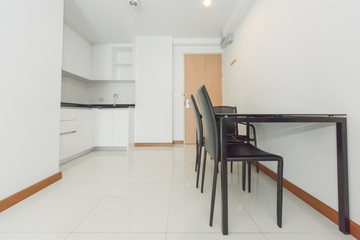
column 149, row 193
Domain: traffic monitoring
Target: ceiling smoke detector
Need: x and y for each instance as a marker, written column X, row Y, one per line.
column 133, row 3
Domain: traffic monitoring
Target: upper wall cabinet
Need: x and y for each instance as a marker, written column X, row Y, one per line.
column 113, row 62
column 77, row 54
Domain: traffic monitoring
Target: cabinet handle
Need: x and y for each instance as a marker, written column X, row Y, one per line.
column 66, row 133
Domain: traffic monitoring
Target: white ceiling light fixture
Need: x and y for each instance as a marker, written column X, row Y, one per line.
column 207, row 3
column 133, row 3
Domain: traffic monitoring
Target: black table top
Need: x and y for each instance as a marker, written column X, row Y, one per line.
column 239, row 117
column 280, row 115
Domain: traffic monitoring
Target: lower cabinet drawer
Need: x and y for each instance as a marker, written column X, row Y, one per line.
column 68, row 114
column 68, row 145
column 68, row 127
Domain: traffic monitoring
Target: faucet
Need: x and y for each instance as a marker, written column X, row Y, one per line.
column 115, row 98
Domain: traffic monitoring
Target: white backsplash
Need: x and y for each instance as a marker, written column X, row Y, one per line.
column 106, row 91
column 75, row 91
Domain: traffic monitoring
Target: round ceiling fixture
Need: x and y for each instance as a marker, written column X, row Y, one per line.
column 133, row 3
column 207, row 3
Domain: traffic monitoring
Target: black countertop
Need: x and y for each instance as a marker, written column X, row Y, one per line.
column 79, row 105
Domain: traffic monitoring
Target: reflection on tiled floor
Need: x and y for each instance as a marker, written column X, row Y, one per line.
column 149, row 193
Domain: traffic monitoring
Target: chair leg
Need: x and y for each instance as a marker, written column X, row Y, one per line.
column 255, row 143
column 279, row 192
column 213, row 193
column 197, row 157
column 243, row 175
column 231, row 166
column 249, row 176
column 203, row 171
column 198, row 166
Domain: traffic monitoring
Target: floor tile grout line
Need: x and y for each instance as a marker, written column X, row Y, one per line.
column 252, row 174
column 125, row 172
column 171, row 192
column 92, row 209
column 111, row 188
column 68, row 236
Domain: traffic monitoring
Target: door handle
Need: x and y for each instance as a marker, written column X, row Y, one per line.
column 187, row 103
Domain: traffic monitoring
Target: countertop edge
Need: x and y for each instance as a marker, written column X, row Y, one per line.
column 80, row 105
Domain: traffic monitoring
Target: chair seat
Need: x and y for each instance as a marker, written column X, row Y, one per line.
column 234, row 139
column 241, row 138
column 248, row 152
column 231, row 139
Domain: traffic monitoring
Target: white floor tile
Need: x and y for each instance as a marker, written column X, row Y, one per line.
column 97, row 167
column 149, row 193
column 208, row 236
column 117, row 236
column 58, row 208
column 150, row 166
column 34, row 236
column 298, row 217
column 190, row 212
column 307, row 237
column 130, row 208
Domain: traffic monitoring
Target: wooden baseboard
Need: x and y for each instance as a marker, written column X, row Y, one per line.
column 313, row 202
column 27, row 192
column 153, row 144
column 178, row 142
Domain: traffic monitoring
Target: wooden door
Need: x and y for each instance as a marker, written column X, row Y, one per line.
column 201, row 69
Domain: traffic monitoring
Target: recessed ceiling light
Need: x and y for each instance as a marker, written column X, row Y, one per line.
column 207, row 3
column 133, row 3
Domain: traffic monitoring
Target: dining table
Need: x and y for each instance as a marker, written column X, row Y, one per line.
column 340, row 120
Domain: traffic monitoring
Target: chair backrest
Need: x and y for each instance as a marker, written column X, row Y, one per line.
column 199, row 126
column 209, row 123
column 231, row 128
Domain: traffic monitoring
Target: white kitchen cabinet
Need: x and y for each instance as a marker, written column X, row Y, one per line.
column 104, row 128
column 121, row 127
column 77, row 54
column 122, row 63
column 68, row 133
column 68, row 145
column 112, row 128
column 113, row 62
column 83, row 130
column 67, row 114
column 76, row 132
column 86, row 126
column 102, row 63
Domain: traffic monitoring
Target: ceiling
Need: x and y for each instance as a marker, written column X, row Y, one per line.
column 115, row 21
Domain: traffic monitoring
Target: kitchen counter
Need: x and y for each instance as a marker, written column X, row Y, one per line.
column 79, row 105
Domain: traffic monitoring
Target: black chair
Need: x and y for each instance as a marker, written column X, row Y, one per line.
column 199, row 138
column 200, row 144
column 250, row 136
column 232, row 128
column 244, row 152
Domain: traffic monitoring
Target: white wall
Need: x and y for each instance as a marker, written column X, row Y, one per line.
column 77, row 54
column 30, row 75
column 180, row 48
column 153, row 83
column 300, row 57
